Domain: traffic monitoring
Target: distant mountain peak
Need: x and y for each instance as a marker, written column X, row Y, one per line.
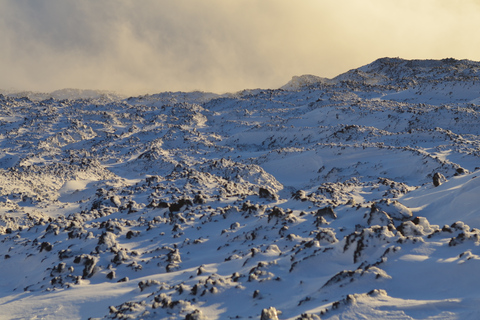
column 63, row 94
column 299, row 82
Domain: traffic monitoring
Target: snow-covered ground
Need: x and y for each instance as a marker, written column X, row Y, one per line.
column 345, row 198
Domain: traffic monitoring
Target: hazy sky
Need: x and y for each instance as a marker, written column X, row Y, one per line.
column 149, row 46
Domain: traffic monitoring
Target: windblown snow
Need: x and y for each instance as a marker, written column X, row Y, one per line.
column 345, row 198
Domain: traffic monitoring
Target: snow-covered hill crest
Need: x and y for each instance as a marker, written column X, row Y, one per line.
column 423, row 81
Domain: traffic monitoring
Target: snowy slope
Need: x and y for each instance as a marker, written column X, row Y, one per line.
column 352, row 197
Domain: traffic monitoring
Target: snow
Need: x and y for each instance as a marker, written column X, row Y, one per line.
column 312, row 200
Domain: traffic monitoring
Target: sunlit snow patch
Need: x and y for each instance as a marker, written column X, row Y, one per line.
column 74, row 190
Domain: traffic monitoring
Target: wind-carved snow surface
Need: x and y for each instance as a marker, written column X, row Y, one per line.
column 352, row 197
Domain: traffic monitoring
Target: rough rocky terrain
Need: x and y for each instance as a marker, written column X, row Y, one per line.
column 327, row 198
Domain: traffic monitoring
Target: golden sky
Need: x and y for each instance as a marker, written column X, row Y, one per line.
column 149, row 46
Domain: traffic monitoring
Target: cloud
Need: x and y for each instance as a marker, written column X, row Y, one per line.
column 215, row 45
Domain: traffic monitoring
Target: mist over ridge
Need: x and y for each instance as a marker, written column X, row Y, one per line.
column 215, row 45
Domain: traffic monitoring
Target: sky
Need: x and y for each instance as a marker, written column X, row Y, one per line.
column 149, row 46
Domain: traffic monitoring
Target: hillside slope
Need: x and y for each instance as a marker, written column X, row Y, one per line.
column 329, row 198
